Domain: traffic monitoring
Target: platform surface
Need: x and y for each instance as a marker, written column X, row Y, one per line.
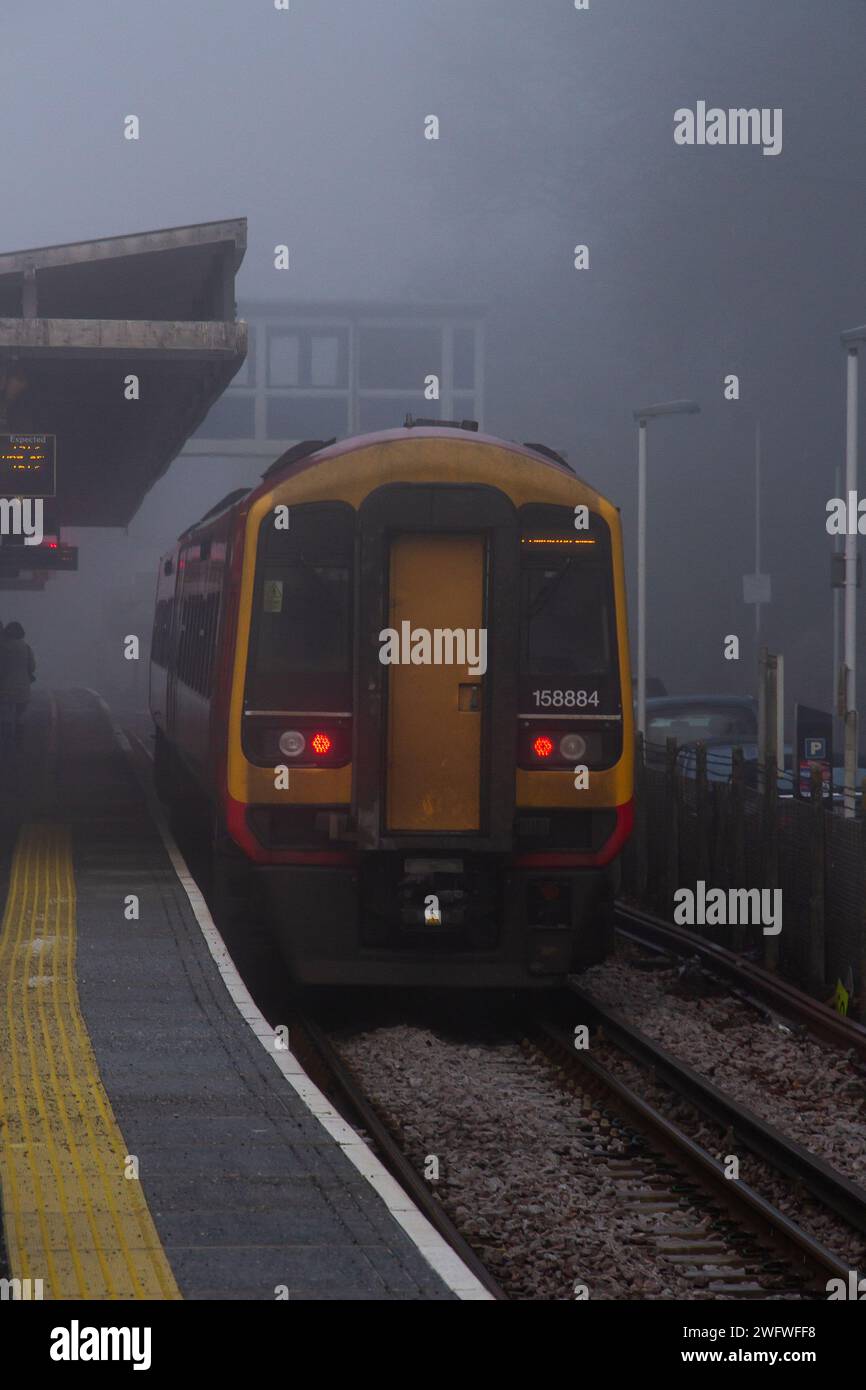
column 149, row 1145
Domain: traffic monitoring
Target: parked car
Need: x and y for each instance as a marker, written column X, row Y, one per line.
column 723, row 723
column 711, row 719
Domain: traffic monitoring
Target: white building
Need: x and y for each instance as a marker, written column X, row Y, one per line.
column 323, row 371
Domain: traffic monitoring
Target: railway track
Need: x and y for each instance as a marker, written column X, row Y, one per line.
column 751, row 980
column 669, row 1218
column 324, row 1065
column 835, row 1191
column 662, row 1195
column 799, row 1265
column 746, row 1206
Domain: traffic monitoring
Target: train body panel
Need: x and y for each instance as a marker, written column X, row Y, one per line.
column 409, row 707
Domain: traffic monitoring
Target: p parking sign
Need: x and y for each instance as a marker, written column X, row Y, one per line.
column 814, row 748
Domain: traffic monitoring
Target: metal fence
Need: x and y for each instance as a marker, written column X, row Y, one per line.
column 727, row 834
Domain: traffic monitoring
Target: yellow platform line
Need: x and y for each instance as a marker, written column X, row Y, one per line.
column 72, row 1217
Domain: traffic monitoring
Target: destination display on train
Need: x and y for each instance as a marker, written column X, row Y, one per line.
column 28, row 465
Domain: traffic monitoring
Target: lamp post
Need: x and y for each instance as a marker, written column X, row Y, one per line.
column 642, row 416
column 851, row 341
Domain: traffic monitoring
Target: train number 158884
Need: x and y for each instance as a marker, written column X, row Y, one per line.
column 564, row 699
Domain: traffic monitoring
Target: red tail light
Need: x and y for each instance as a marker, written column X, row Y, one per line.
column 268, row 742
column 543, row 746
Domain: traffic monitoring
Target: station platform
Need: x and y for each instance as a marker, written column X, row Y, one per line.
column 155, row 1143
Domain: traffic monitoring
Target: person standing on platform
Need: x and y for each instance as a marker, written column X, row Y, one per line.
column 17, row 669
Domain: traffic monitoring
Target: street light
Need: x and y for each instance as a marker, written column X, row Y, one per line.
column 650, row 413
column 851, row 340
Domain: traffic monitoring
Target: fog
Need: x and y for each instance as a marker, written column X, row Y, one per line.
column 556, row 130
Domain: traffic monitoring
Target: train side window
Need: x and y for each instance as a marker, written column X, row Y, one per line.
column 202, row 575
column 210, row 624
column 199, row 644
column 196, row 648
column 183, row 646
column 161, row 632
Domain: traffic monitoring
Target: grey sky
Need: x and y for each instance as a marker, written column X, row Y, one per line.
column 557, row 128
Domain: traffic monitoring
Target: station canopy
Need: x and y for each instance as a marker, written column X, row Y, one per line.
column 77, row 320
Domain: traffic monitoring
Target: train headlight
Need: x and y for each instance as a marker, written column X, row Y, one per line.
column 572, row 747
column 292, row 743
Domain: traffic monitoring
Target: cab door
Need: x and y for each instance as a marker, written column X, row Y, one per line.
column 436, row 709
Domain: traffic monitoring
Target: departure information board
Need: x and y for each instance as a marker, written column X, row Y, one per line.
column 28, row 465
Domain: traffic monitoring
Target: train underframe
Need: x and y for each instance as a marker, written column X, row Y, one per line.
column 400, row 921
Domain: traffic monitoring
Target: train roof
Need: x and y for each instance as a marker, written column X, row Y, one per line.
column 318, row 451
column 225, row 504
column 312, row 452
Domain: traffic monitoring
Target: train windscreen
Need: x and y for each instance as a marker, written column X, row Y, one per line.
column 568, row 651
column 300, row 653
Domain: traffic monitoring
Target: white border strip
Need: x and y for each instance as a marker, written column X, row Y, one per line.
column 435, row 1249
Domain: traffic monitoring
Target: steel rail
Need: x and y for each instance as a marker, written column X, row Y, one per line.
column 819, row 1018
column 746, row 1205
column 323, row 1064
column 835, row 1191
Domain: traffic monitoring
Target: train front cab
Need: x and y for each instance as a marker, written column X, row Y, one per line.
column 432, row 832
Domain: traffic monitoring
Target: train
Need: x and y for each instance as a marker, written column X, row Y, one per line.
column 390, row 685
